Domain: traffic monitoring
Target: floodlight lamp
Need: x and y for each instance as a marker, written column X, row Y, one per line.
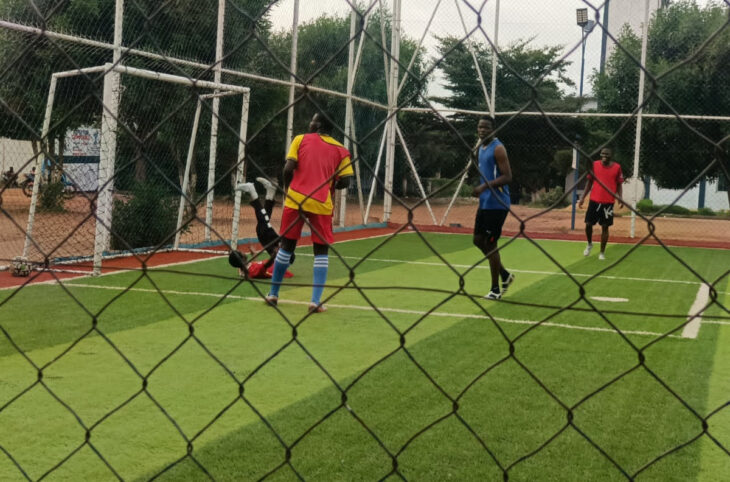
column 581, row 15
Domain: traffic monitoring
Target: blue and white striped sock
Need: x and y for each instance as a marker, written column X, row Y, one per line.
column 281, row 263
column 321, row 265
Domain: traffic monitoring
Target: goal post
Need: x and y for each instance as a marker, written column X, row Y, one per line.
column 111, row 98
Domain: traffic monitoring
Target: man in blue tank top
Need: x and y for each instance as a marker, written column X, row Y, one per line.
column 495, row 174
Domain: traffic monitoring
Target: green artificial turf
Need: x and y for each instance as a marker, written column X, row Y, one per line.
column 184, row 373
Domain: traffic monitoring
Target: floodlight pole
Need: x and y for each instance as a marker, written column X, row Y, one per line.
column 586, row 27
column 639, row 117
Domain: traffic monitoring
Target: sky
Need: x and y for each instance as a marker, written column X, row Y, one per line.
column 549, row 22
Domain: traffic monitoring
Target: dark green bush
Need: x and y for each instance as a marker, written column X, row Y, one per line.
column 51, row 197
column 646, row 206
column 551, row 197
column 674, row 209
column 706, row 212
column 146, row 219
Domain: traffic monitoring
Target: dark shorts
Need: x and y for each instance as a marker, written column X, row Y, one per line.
column 489, row 223
column 599, row 213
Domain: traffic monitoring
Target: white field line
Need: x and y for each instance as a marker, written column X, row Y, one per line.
column 609, row 299
column 369, row 308
column 692, row 329
column 547, row 273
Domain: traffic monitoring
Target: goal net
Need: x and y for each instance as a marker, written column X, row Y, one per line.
column 155, row 185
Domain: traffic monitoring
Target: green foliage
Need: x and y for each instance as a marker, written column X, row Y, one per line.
column 675, row 209
column 553, row 198
column 51, row 197
column 646, row 206
column 531, row 142
column 692, row 72
column 706, row 212
column 147, row 218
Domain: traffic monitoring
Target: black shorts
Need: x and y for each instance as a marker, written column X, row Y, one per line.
column 601, row 213
column 489, row 223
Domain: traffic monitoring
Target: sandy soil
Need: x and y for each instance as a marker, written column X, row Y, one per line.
column 71, row 233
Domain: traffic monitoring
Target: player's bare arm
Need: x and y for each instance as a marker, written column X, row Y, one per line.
column 586, row 191
column 289, row 169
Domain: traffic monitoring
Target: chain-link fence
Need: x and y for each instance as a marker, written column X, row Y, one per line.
column 129, row 124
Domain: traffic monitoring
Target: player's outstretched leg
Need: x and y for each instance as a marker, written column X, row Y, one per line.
column 248, row 188
column 269, row 186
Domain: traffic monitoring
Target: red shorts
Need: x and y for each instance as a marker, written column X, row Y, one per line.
column 321, row 225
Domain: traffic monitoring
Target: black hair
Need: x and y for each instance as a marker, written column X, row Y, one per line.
column 325, row 124
column 490, row 119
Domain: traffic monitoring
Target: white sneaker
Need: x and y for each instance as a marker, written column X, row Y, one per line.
column 601, row 256
column 505, row 284
column 248, row 188
column 493, row 295
column 269, row 186
column 587, row 251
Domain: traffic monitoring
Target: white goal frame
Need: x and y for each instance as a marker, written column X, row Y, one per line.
column 111, row 100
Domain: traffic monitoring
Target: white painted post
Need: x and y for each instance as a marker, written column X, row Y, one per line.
column 107, row 152
column 392, row 110
column 186, row 174
column 640, row 101
column 37, row 164
column 242, row 133
column 342, row 214
column 213, row 151
column 495, row 60
column 292, row 77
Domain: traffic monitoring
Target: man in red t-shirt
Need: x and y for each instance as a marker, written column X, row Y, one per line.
column 603, row 194
column 316, row 165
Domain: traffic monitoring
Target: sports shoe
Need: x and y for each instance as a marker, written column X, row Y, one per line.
column 269, row 186
column 493, row 295
column 601, row 256
column 587, row 251
column 505, row 284
column 248, row 188
column 317, row 308
column 271, row 300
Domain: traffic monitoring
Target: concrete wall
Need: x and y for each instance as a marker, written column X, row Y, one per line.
column 15, row 153
column 714, row 198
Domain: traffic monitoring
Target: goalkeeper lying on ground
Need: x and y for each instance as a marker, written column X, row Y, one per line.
column 266, row 234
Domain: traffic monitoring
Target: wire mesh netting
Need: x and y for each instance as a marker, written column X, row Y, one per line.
column 128, row 128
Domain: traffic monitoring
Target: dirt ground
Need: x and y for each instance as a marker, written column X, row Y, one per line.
column 71, row 233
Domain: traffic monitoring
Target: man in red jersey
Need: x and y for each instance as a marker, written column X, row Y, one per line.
column 603, row 195
column 316, row 165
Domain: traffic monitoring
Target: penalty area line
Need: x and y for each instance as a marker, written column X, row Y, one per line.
column 439, row 314
column 694, row 318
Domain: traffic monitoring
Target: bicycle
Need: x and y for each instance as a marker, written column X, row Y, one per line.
column 69, row 188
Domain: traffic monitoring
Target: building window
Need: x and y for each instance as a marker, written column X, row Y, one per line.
column 722, row 183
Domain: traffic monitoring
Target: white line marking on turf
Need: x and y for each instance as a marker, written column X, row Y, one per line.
column 370, row 308
column 609, row 299
column 552, row 273
column 692, row 329
column 715, row 322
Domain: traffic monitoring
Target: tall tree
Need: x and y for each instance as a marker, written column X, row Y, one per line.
column 527, row 76
column 692, row 71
